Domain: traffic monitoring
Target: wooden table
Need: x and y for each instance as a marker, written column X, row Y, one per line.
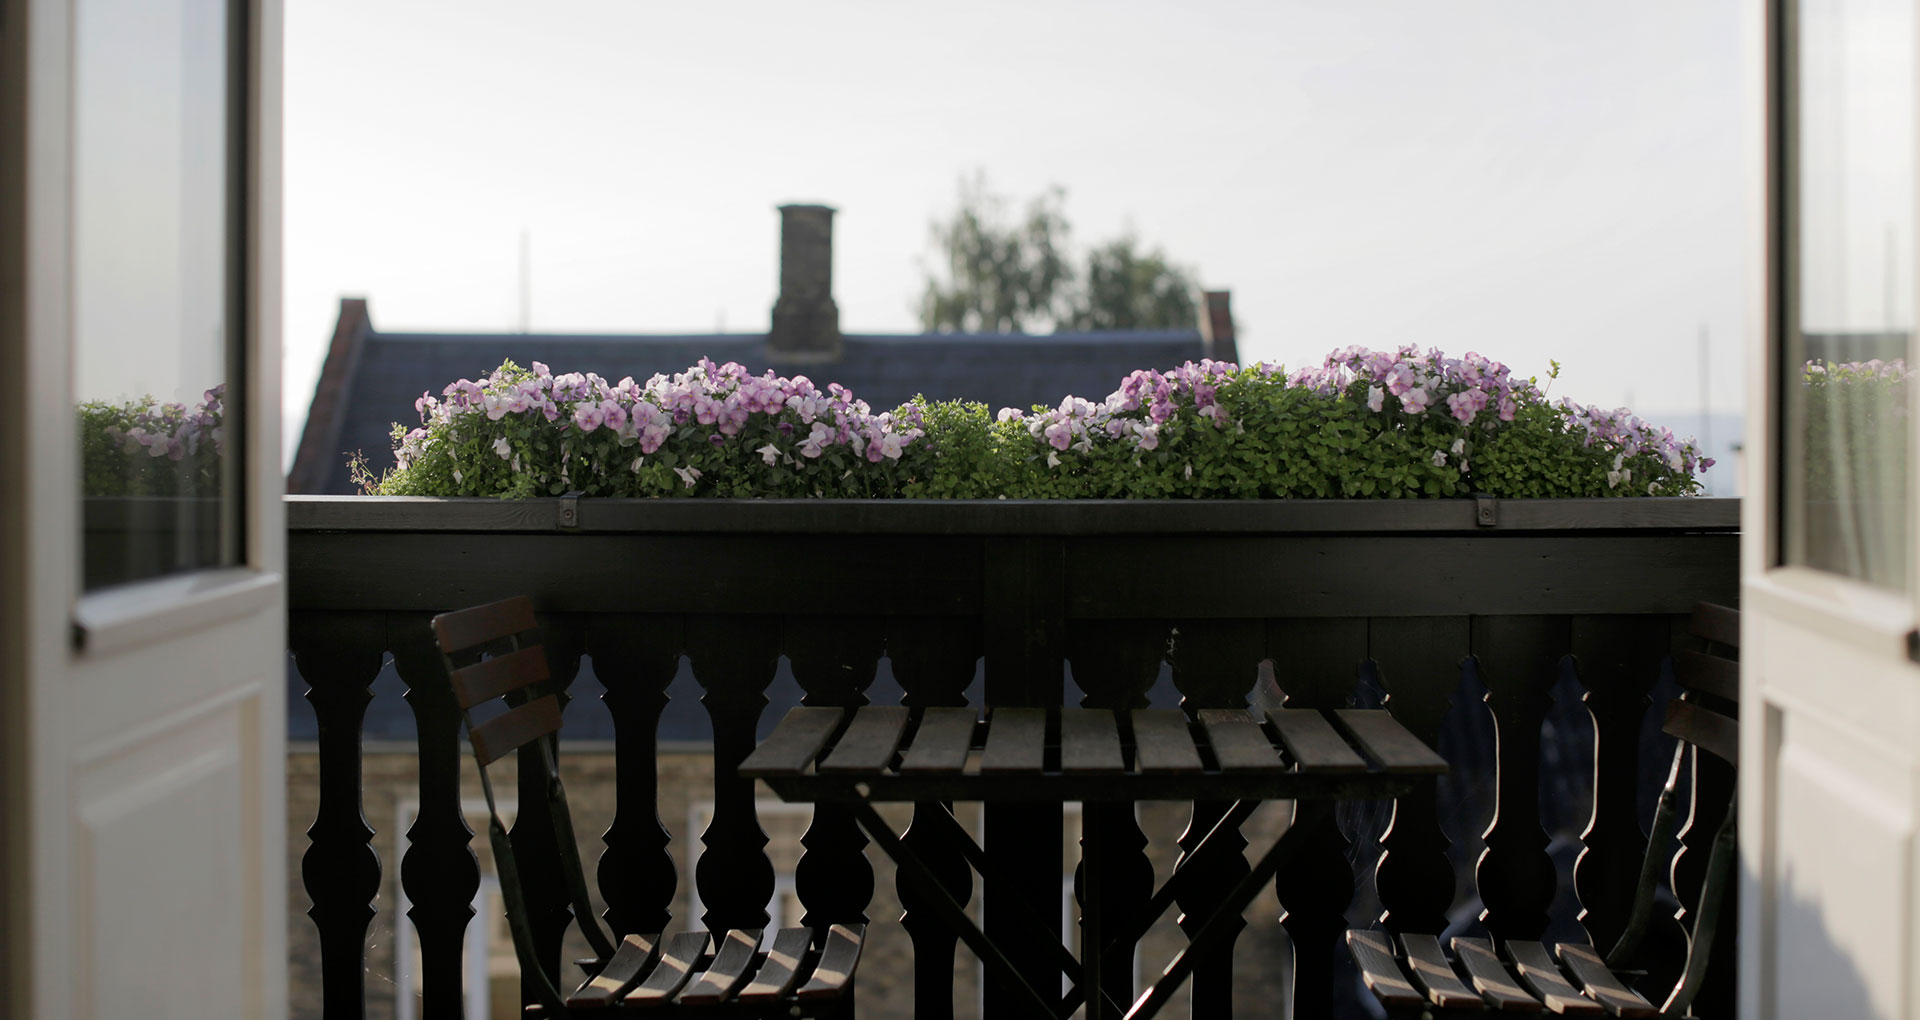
column 1101, row 758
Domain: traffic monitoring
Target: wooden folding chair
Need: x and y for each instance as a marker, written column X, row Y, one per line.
column 1416, row 978
column 805, row 972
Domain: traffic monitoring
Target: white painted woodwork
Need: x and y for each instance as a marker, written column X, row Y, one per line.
column 145, row 802
column 1830, row 725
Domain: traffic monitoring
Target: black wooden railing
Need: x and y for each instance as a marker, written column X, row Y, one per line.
column 1422, row 604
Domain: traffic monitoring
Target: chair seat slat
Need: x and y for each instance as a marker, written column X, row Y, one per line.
column 1162, row 742
column 1383, row 738
column 1434, row 972
column 1239, row 744
column 466, row 629
column 1537, row 969
column 515, row 728
column 870, row 740
column 1491, row 978
column 1313, row 742
column 1090, row 741
column 728, row 971
column 629, row 961
column 491, row 678
column 1016, row 740
column 781, row 968
column 794, row 743
column 1380, row 970
column 678, row 956
column 837, row 960
column 1601, row 984
column 941, row 742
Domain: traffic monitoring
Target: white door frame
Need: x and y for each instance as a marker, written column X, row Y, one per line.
column 198, row 658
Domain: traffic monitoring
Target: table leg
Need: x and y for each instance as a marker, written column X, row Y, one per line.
column 952, row 913
column 1221, row 923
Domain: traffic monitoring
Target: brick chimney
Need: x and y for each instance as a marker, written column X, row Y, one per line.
column 1216, row 326
column 806, row 322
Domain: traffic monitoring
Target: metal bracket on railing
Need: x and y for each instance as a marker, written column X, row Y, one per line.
column 1486, row 512
column 570, row 510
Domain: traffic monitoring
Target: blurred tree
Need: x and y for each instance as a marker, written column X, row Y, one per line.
column 1014, row 276
column 1002, row 276
column 1126, row 288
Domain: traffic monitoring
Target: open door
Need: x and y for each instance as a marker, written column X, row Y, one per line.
column 142, row 710
column 1830, row 741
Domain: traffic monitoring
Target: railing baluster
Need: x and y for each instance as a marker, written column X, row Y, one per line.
column 1317, row 664
column 1618, row 659
column 934, row 660
column 439, row 870
column 1115, row 663
column 734, row 660
column 1215, row 664
column 338, row 655
column 833, row 660
column 532, row 832
column 1419, row 663
column 1519, row 660
column 635, row 658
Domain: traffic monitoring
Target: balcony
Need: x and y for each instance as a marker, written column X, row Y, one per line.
column 1527, row 640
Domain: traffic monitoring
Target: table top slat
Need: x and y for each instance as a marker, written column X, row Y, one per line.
column 942, row 741
column 1239, row 744
column 1090, row 741
column 870, row 740
column 1313, row 742
column 1016, row 741
column 1162, row 742
column 1383, row 738
column 794, row 743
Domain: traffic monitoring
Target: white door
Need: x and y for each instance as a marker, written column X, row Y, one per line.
column 1830, row 717
column 141, row 547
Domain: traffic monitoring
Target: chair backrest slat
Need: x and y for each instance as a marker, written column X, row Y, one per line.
column 1704, row 728
column 500, row 675
column 468, row 629
column 495, row 737
column 1715, row 623
column 1710, row 674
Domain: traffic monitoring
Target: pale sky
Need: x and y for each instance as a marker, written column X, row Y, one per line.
column 1532, row 180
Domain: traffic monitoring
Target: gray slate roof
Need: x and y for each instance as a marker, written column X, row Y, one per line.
column 378, row 385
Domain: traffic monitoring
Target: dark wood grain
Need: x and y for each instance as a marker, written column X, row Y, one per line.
column 1162, row 743
column 1016, row 741
column 1384, row 740
column 1600, row 984
column 465, row 629
column 510, row 731
column 1716, row 623
column 795, row 740
column 728, row 971
column 1433, row 972
column 1381, row 971
column 1539, row 974
column 1239, row 744
column 1089, row 741
column 438, row 872
column 1313, row 742
column 780, row 971
column 636, row 657
column 1491, row 978
column 492, row 678
column 1709, row 674
column 339, row 655
column 1704, row 728
column 869, row 743
column 678, row 956
column 941, row 742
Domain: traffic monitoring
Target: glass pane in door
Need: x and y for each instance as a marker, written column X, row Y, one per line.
column 155, row 286
column 1851, row 187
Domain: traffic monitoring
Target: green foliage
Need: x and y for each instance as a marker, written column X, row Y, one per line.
column 1008, row 275
column 146, row 448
